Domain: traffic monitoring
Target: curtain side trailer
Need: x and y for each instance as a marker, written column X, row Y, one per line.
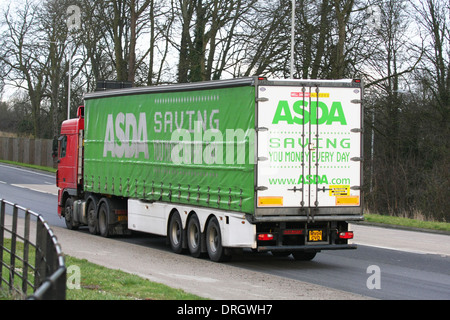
column 267, row 165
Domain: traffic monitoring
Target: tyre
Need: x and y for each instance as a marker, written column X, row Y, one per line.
column 304, row 256
column 216, row 251
column 194, row 236
column 92, row 217
column 68, row 215
column 175, row 233
column 103, row 220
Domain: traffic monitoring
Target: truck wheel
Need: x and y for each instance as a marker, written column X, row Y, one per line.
column 68, row 214
column 103, row 220
column 92, row 218
column 304, row 256
column 176, row 233
column 194, row 236
column 214, row 246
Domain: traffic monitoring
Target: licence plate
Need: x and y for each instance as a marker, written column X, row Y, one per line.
column 315, row 235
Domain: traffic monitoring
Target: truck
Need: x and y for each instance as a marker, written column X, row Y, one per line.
column 216, row 167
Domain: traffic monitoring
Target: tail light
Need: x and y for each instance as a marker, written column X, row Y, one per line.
column 346, row 235
column 265, row 237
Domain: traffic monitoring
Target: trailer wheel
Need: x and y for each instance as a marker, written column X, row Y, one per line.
column 303, row 256
column 103, row 220
column 176, row 233
column 214, row 246
column 194, row 236
column 68, row 214
column 92, row 217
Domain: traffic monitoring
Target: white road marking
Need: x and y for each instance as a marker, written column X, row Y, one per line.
column 28, row 171
column 43, row 188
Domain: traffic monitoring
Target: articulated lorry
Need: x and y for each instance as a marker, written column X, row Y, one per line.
column 268, row 165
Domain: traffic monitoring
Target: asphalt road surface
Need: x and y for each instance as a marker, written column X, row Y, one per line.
column 388, row 264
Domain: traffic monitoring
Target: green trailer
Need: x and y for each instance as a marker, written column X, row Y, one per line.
column 268, row 165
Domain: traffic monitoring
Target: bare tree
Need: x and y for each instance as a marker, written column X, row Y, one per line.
column 266, row 41
column 160, row 29
column 95, row 42
column 53, row 26
column 136, row 10
column 209, row 30
column 434, row 19
column 343, row 10
column 22, row 54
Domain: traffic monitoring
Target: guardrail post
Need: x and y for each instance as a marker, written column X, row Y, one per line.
column 26, row 249
column 41, row 248
column 2, row 228
column 12, row 265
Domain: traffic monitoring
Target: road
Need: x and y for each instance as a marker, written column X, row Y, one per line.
column 388, row 264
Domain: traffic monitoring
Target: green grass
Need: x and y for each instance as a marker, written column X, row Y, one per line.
column 407, row 222
column 101, row 283
column 19, row 268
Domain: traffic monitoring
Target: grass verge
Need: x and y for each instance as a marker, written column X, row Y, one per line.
column 406, row 222
column 101, row 283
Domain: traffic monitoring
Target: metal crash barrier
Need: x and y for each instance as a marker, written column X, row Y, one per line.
column 46, row 279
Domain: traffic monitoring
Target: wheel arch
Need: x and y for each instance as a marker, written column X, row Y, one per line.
column 66, row 194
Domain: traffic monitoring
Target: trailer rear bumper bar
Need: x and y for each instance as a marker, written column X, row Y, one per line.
column 311, row 248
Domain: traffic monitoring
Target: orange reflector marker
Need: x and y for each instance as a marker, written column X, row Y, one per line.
column 347, row 200
column 346, row 235
column 270, row 201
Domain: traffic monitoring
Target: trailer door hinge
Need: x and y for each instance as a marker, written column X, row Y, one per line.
column 262, row 99
column 295, row 189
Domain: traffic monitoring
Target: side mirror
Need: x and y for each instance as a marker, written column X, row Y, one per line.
column 55, row 147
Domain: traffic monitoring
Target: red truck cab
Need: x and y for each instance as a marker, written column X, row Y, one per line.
column 69, row 176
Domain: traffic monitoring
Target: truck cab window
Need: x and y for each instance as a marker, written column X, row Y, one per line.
column 62, row 146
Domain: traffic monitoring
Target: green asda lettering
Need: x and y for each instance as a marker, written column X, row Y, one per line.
column 299, row 114
column 126, row 137
column 313, row 179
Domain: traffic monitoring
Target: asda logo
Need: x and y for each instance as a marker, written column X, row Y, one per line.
column 126, row 136
column 313, row 179
column 317, row 113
